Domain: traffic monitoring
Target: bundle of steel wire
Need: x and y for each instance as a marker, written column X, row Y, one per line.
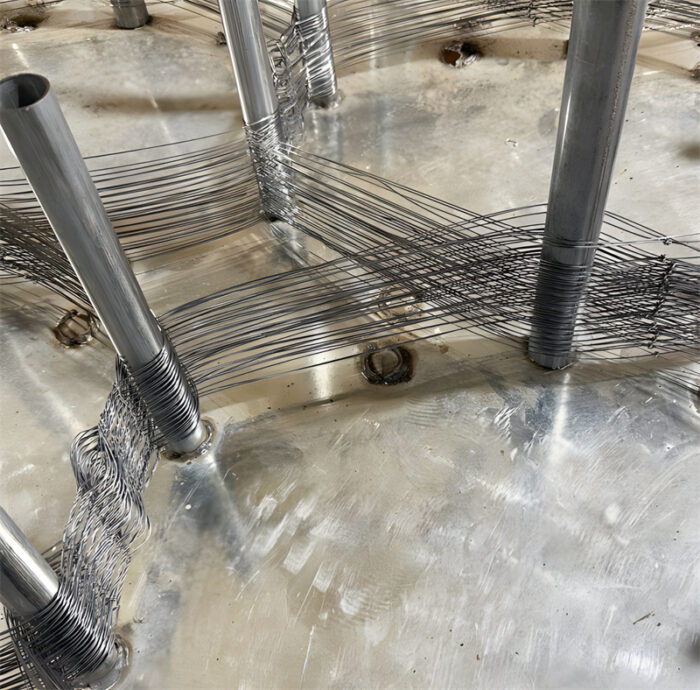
column 174, row 196
column 363, row 30
column 443, row 263
column 164, row 198
column 411, row 262
column 63, row 644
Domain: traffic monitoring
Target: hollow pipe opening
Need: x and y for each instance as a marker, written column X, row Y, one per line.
column 22, row 90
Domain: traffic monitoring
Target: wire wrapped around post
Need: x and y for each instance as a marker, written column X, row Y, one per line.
column 130, row 14
column 31, row 594
column 599, row 68
column 39, row 135
column 252, row 68
column 315, row 38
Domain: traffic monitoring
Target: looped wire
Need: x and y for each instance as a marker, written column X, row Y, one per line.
column 172, row 397
column 315, row 40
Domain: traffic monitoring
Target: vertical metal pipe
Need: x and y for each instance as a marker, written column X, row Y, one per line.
column 27, row 582
column 130, row 14
column 308, row 8
column 251, row 62
column 314, row 35
column 37, row 132
column 256, row 91
column 600, row 63
column 28, row 585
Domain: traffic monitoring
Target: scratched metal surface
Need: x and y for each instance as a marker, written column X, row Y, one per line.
column 487, row 524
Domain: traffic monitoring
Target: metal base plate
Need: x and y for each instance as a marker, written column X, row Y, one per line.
column 486, row 524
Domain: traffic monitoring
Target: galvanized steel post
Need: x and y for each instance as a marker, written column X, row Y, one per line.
column 314, row 34
column 130, row 14
column 252, row 68
column 602, row 49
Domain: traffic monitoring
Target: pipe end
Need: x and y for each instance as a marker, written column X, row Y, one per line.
column 22, row 90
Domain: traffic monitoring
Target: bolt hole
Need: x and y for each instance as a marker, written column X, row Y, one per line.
column 387, row 366
column 22, row 20
column 460, row 54
column 75, row 329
